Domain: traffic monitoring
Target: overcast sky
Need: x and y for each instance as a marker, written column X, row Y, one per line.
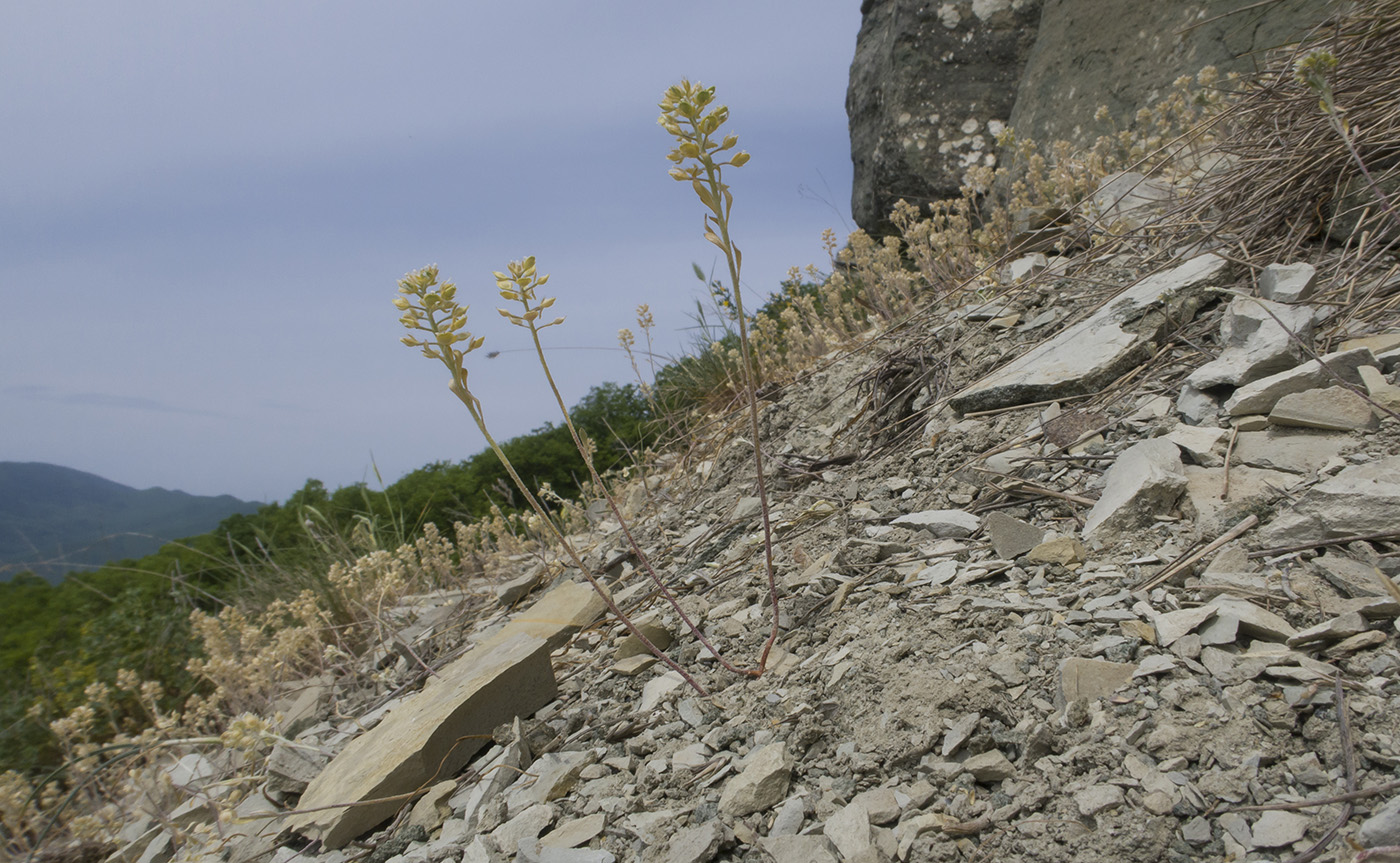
column 204, row 208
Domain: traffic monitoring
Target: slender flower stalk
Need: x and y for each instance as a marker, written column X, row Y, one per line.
column 519, row 285
column 687, row 115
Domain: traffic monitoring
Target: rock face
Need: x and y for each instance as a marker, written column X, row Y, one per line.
column 932, row 83
column 1092, row 53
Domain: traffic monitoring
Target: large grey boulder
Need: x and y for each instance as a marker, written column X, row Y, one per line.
column 931, row 83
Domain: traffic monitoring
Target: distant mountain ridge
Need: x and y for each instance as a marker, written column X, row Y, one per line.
column 56, row 519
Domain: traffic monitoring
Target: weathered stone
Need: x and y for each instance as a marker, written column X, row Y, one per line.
column 1011, row 537
column 881, row 804
column 291, row 768
column 1288, row 283
column 525, row 826
column 762, row 783
column 634, row 665
column 556, row 616
column 531, row 852
column 1336, row 629
column 746, row 508
column 1175, row 624
column 1356, row 643
column 1362, row 499
column 959, row 731
column 1097, row 798
column 432, row 734
column 799, row 849
column 651, row 827
column 942, row 523
column 572, row 834
column 1252, row 620
column 510, row 592
column 432, row 808
column 654, row 691
column 1351, row 577
column 1383, row 827
column 1260, row 338
column 1064, row 550
column 1197, row 407
column 1026, row 266
column 1090, row 679
column 555, row 774
column 849, row 830
column 699, row 843
column 1331, row 409
column 791, row 815
column 1295, row 452
column 1260, row 396
column 1378, row 344
column 499, row 768
column 930, row 87
column 990, row 766
column 1274, row 829
column 1145, row 480
column 1382, row 392
column 1091, row 354
column 1204, row 444
column 657, row 634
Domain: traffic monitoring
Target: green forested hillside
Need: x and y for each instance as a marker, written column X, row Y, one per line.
column 57, row 639
column 55, row 519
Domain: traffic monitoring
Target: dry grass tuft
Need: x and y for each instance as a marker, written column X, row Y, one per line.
column 1292, row 177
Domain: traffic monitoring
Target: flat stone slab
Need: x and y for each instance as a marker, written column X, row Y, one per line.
column 1362, row 499
column 942, row 523
column 556, row 616
column 1298, row 453
column 1260, row 396
column 1091, row 678
column 1094, row 352
column 1331, row 409
column 430, row 736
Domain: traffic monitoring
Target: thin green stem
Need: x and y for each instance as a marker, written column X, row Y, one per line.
column 721, row 221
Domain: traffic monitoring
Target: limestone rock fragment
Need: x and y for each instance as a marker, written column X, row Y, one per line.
column 762, row 783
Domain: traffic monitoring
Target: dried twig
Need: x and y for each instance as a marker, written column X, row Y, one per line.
column 1190, row 557
column 1349, row 760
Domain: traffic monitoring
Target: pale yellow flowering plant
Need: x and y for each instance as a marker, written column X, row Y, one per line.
column 690, row 116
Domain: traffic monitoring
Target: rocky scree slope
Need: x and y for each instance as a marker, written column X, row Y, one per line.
column 1113, row 610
